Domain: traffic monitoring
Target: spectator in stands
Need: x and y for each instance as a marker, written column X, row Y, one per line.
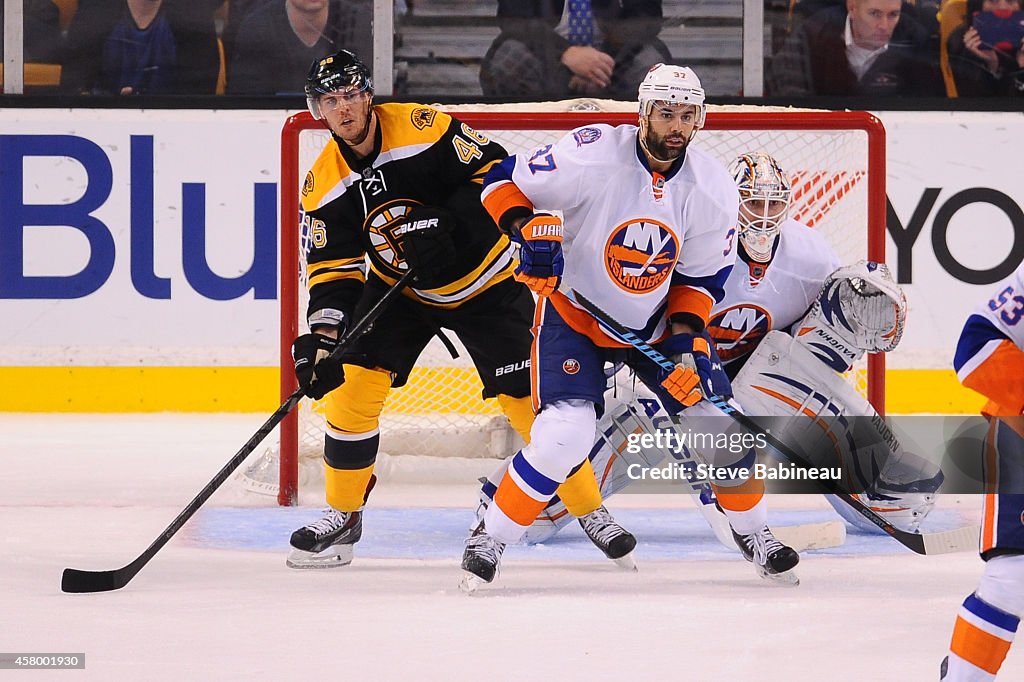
column 238, row 11
column 867, row 47
column 980, row 71
column 142, row 47
column 923, row 12
column 41, row 33
column 566, row 48
column 278, row 41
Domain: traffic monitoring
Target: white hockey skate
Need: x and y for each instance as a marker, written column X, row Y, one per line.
column 481, row 559
column 616, row 542
column 327, row 542
column 774, row 561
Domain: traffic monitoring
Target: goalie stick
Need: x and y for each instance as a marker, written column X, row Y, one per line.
column 75, row 580
column 647, row 415
column 942, row 542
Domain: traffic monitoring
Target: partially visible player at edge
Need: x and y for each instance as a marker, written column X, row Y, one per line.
column 398, row 187
column 990, row 359
column 648, row 234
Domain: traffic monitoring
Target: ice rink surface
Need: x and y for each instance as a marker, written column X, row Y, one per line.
column 218, row 603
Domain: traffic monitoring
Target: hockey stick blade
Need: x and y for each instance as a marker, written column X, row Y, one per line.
column 933, row 543
column 811, row 535
column 77, row 581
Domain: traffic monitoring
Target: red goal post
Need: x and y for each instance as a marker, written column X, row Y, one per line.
column 819, row 186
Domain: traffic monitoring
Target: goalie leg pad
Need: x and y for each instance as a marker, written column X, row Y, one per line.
column 814, row 407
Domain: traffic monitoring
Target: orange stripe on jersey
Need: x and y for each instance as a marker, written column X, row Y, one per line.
column 742, row 497
column 978, row 647
column 516, row 504
column 988, row 523
column 503, row 198
column 608, row 467
column 989, row 379
column 991, row 477
column 684, row 299
column 582, row 322
column 538, row 317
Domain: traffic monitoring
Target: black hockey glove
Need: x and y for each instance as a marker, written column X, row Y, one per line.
column 317, row 373
column 427, row 244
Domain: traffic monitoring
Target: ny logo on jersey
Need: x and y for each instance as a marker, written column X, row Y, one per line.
column 640, row 255
column 738, row 329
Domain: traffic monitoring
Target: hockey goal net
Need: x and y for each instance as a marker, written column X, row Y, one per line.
column 836, row 161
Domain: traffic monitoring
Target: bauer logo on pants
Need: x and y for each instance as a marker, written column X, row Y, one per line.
column 640, row 255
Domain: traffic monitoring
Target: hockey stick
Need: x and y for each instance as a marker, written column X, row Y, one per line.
column 942, row 542
column 75, row 580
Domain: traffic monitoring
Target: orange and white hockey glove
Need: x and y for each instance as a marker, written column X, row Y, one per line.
column 698, row 372
column 540, row 253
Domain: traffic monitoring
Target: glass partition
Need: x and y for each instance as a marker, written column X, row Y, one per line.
column 514, row 50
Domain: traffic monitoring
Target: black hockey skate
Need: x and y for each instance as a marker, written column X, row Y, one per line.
column 327, row 542
column 616, row 542
column 481, row 559
column 774, row 561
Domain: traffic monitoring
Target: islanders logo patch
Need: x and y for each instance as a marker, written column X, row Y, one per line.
column 640, row 255
column 738, row 329
column 586, row 136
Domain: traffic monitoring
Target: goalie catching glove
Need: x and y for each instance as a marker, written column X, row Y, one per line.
column 427, row 244
column 540, row 253
column 317, row 371
column 698, row 373
column 859, row 309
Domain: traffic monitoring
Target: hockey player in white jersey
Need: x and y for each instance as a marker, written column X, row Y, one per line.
column 647, row 233
column 990, row 360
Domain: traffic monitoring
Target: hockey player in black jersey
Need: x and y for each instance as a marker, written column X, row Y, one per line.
column 398, row 187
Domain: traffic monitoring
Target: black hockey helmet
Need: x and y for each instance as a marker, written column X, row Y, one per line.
column 340, row 70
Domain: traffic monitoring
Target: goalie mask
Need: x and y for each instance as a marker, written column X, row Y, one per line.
column 342, row 73
column 764, row 202
column 671, row 85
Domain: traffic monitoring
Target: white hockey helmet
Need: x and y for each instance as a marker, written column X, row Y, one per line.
column 764, row 202
column 672, row 84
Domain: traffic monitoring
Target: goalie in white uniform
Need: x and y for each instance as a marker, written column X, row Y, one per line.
column 647, row 234
column 791, row 321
